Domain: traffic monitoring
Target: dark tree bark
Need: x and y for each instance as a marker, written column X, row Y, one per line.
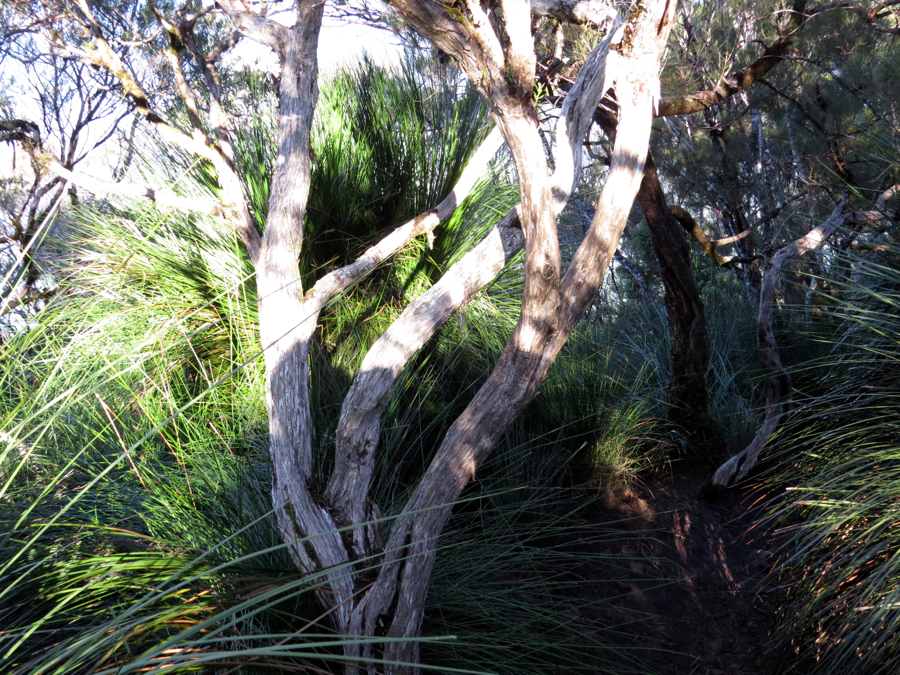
column 688, row 396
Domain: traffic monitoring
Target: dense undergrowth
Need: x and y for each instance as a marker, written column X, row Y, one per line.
column 136, row 531
column 837, row 520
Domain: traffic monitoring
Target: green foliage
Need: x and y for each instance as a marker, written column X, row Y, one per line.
column 839, row 545
column 734, row 378
column 137, row 534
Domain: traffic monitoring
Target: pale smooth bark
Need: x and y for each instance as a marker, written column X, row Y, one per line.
column 360, row 422
column 359, row 427
column 551, row 308
column 288, row 319
column 284, row 333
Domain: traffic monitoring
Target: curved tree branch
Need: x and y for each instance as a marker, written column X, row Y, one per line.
column 778, row 382
column 234, row 209
column 743, row 78
column 360, row 422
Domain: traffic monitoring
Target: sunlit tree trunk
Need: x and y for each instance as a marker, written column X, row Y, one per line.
column 551, row 308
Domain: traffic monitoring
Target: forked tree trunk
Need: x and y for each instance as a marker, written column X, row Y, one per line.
column 393, row 606
column 359, row 426
column 307, row 520
column 500, row 60
column 551, row 308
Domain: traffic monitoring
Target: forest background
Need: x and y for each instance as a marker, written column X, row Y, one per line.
column 175, row 497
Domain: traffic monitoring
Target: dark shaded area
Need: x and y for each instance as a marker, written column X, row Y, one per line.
column 688, row 591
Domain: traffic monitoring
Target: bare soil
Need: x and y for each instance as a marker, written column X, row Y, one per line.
column 687, row 592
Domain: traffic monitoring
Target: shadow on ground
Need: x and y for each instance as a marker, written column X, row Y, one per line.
column 688, row 586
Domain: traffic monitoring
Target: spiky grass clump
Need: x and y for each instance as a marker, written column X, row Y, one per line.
column 839, row 537
column 734, row 376
column 603, row 402
column 137, row 532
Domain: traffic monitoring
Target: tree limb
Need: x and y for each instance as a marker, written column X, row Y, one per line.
column 339, row 280
column 778, row 381
column 743, row 78
column 595, row 13
column 360, row 421
column 710, row 246
column 879, row 11
column 258, row 28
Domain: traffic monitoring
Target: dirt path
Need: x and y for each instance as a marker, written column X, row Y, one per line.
column 696, row 607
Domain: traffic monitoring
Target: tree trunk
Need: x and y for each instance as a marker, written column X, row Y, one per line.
column 550, row 310
column 688, row 397
column 286, row 325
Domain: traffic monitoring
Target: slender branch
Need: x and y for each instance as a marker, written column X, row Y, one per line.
column 164, row 199
column 207, row 65
column 641, row 280
column 780, row 207
column 730, row 240
column 234, row 210
column 778, row 382
column 686, row 220
column 339, row 280
column 743, row 78
column 181, row 85
column 870, row 16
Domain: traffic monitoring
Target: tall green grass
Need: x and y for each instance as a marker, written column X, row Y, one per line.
column 136, row 533
column 839, row 542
